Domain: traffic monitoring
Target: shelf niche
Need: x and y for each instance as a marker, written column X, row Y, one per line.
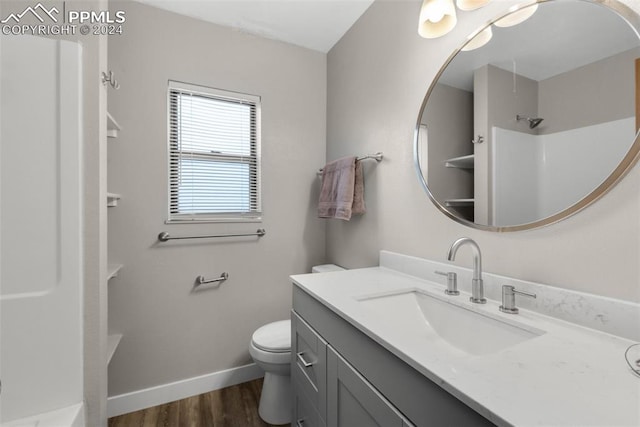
column 462, row 162
column 112, row 344
column 112, row 127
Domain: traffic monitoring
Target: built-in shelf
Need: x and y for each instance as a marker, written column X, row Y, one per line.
column 112, row 343
column 462, row 162
column 459, row 202
column 112, row 199
column 113, row 270
column 112, row 127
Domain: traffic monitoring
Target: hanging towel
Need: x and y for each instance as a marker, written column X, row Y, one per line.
column 358, row 207
column 342, row 191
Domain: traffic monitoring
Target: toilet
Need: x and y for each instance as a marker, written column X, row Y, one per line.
column 270, row 348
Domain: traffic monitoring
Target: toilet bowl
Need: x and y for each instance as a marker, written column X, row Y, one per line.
column 270, row 348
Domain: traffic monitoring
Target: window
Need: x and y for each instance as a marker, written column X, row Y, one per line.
column 214, row 154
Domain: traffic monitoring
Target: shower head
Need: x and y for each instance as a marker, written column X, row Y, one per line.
column 533, row 122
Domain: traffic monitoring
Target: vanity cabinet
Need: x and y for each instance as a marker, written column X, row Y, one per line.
column 351, row 380
column 328, row 391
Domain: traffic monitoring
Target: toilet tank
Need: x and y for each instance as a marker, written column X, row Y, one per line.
column 325, row 268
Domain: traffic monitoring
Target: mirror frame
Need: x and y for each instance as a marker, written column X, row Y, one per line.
column 626, row 164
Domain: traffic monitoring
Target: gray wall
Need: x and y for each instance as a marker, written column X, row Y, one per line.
column 170, row 332
column 378, row 75
column 595, row 93
column 505, row 102
column 449, row 120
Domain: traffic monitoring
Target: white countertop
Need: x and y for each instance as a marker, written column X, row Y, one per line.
column 570, row 375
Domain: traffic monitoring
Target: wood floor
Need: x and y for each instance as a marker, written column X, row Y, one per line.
column 235, row 406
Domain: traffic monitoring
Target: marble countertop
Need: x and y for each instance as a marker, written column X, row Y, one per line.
column 570, row 375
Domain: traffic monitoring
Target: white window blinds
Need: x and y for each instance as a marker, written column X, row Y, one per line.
column 214, row 154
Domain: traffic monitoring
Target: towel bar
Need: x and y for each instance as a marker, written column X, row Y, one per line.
column 200, row 280
column 165, row 237
column 377, row 157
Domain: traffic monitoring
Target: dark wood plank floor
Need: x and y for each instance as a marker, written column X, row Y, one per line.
column 235, row 406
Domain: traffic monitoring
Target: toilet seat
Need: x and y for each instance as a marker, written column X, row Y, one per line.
column 273, row 337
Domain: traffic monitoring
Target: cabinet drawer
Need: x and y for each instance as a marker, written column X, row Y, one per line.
column 309, row 362
column 304, row 412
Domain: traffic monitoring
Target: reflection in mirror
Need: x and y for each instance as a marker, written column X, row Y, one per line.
column 535, row 124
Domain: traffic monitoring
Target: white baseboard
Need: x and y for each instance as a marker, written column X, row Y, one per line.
column 158, row 395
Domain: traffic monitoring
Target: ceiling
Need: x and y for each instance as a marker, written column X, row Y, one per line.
column 314, row 24
column 559, row 37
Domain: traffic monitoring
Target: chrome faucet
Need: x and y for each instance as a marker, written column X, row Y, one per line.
column 477, row 288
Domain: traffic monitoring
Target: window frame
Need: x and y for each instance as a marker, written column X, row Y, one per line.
column 254, row 215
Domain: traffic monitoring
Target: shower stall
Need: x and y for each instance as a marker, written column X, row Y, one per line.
column 534, row 176
column 41, row 316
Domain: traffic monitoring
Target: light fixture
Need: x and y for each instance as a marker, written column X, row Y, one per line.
column 479, row 40
column 437, row 18
column 467, row 5
column 517, row 17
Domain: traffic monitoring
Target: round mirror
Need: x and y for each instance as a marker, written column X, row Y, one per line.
column 535, row 117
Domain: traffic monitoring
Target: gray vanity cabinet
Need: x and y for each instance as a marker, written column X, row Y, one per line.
column 343, row 378
column 330, row 392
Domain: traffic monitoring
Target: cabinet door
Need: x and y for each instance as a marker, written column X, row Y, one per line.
column 352, row 401
column 309, row 364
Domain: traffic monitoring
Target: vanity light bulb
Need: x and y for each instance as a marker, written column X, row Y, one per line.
column 517, row 17
column 467, row 5
column 479, row 40
column 437, row 18
column 436, row 15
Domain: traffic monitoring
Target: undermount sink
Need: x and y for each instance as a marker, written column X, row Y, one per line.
column 475, row 333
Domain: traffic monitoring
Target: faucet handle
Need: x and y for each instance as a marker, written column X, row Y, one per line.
column 509, row 299
column 452, row 282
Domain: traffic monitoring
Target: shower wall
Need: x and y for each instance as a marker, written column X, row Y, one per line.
column 515, row 176
column 41, row 357
column 592, row 152
column 534, row 176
